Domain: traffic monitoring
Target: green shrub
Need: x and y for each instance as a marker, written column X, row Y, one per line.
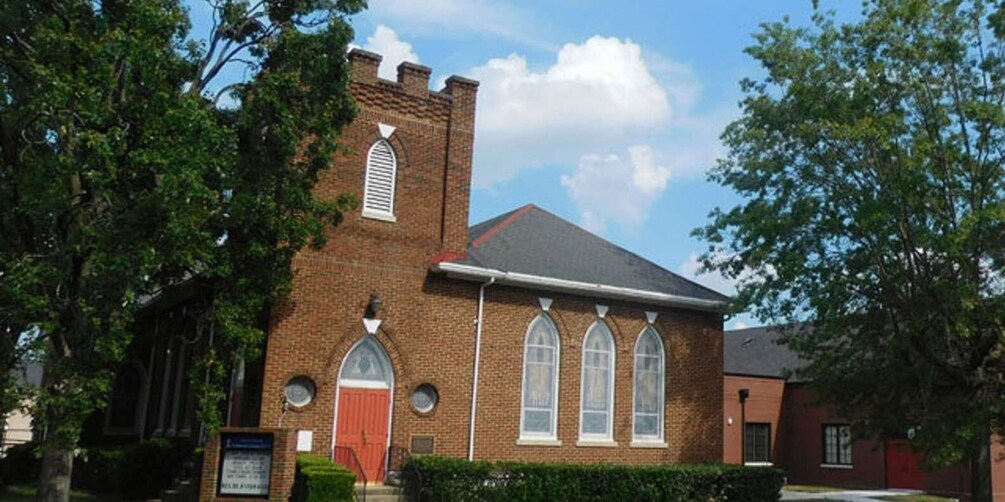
column 135, row 471
column 321, row 480
column 97, row 470
column 20, row 464
column 437, row 479
column 145, row 469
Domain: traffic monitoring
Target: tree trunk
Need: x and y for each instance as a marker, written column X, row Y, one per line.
column 54, row 483
column 980, row 470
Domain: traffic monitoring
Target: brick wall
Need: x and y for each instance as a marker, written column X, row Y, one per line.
column 802, row 436
column 764, row 405
column 693, row 409
column 428, row 325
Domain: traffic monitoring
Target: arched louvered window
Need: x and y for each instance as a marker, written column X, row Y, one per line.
column 539, row 402
column 596, row 405
column 648, row 389
column 378, row 189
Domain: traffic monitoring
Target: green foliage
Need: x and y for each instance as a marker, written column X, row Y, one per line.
column 870, row 158
column 439, row 479
column 121, row 175
column 321, row 480
column 97, row 470
column 135, row 471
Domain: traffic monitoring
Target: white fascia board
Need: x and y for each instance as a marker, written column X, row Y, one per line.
column 481, row 274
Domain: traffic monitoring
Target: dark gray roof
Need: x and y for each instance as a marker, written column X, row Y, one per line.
column 530, row 240
column 756, row 352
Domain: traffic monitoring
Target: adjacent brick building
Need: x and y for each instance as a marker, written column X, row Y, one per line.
column 814, row 446
column 411, row 330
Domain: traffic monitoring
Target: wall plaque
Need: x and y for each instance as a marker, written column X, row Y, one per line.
column 422, row 445
column 245, row 464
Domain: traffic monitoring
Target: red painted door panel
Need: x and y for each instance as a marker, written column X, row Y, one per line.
column 362, row 426
column 903, row 469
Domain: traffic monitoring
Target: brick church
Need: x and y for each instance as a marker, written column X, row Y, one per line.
column 523, row 337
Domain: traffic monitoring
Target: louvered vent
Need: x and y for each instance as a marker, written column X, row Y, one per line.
column 378, row 193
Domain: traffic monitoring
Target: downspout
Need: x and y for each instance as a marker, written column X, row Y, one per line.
column 478, row 351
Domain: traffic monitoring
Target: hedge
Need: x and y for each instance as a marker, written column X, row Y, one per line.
column 437, row 479
column 321, row 480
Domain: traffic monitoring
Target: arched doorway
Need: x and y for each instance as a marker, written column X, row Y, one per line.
column 363, row 416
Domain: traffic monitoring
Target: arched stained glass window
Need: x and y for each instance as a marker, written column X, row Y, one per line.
column 597, row 397
column 648, row 393
column 366, row 365
column 539, row 402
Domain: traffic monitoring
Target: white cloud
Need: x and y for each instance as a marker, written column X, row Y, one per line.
column 734, row 324
column 691, row 269
column 385, row 42
column 444, row 18
column 597, row 92
column 611, row 188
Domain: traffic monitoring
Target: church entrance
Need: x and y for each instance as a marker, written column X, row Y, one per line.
column 363, row 415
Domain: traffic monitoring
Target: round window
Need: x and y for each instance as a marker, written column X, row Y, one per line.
column 300, row 391
column 424, row 398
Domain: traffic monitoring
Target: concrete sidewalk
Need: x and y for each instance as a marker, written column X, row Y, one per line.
column 847, row 495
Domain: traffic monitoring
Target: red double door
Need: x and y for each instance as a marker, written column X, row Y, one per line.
column 903, row 467
column 362, row 425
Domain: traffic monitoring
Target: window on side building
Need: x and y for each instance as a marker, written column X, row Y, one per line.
column 648, row 388
column 539, row 400
column 757, row 443
column 596, row 410
column 837, row 444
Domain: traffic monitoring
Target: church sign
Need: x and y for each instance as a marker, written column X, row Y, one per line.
column 245, row 465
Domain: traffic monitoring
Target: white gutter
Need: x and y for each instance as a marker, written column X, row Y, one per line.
column 478, row 351
column 473, row 273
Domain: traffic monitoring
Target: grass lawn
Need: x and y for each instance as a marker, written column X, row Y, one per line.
column 811, row 489
column 23, row 492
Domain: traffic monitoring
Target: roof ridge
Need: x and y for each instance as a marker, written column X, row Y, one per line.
column 515, row 215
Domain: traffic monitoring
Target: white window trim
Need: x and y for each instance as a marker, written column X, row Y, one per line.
column 376, row 213
column 837, row 466
column 661, row 405
column 588, row 437
column 594, row 443
column 538, row 442
column 758, row 464
column 363, row 384
column 538, row 438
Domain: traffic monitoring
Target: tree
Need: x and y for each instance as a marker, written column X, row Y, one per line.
column 870, row 159
column 120, row 175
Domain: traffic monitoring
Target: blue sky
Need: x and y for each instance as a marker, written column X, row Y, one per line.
column 605, row 113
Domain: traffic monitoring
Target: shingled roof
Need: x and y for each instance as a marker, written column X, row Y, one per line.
column 531, row 242
column 756, row 352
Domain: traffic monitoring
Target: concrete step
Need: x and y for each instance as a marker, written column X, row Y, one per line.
column 381, row 493
column 384, row 498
